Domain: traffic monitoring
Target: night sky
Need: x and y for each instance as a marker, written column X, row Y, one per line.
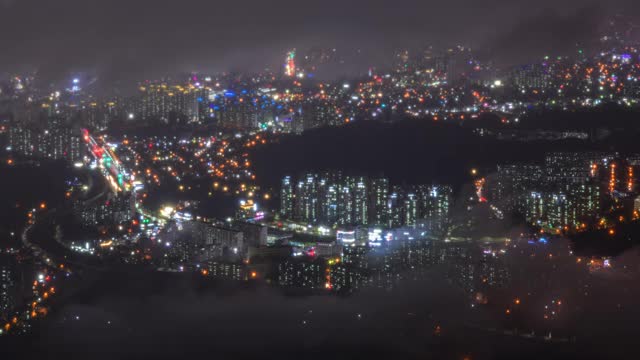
column 120, row 40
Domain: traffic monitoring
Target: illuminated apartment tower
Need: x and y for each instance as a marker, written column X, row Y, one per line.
column 331, row 205
column 290, row 63
column 345, row 208
column 394, row 210
column 410, row 211
column 379, row 193
column 360, row 203
column 7, row 288
column 306, row 201
column 328, row 189
column 434, row 206
column 286, row 198
column 620, row 177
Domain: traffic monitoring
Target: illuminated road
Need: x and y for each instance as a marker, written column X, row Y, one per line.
column 42, row 241
column 110, row 166
column 38, row 236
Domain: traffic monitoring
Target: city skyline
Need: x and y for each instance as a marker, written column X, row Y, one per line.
column 141, row 45
column 322, row 179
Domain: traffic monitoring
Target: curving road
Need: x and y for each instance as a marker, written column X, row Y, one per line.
column 42, row 241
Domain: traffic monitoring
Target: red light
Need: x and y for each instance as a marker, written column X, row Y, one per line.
column 328, row 286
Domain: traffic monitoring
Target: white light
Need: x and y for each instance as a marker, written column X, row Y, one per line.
column 167, row 211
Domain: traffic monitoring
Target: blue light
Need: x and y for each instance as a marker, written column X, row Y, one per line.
column 229, row 94
column 199, row 99
column 543, row 240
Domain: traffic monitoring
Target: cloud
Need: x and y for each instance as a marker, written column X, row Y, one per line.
column 133, row 40
column 177, row 317
column 548, row 32
column 7, row 3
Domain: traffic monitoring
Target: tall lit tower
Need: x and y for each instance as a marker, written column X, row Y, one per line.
column 290, row 63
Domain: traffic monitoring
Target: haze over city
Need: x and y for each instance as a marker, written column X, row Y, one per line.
column 320, row 179
column 123, row 41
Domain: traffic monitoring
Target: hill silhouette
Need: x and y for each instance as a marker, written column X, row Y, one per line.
column 409, row 151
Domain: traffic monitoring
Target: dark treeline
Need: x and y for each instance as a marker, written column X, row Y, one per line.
column 409, row 151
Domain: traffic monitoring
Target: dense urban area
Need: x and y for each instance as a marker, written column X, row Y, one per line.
column 514, row 188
